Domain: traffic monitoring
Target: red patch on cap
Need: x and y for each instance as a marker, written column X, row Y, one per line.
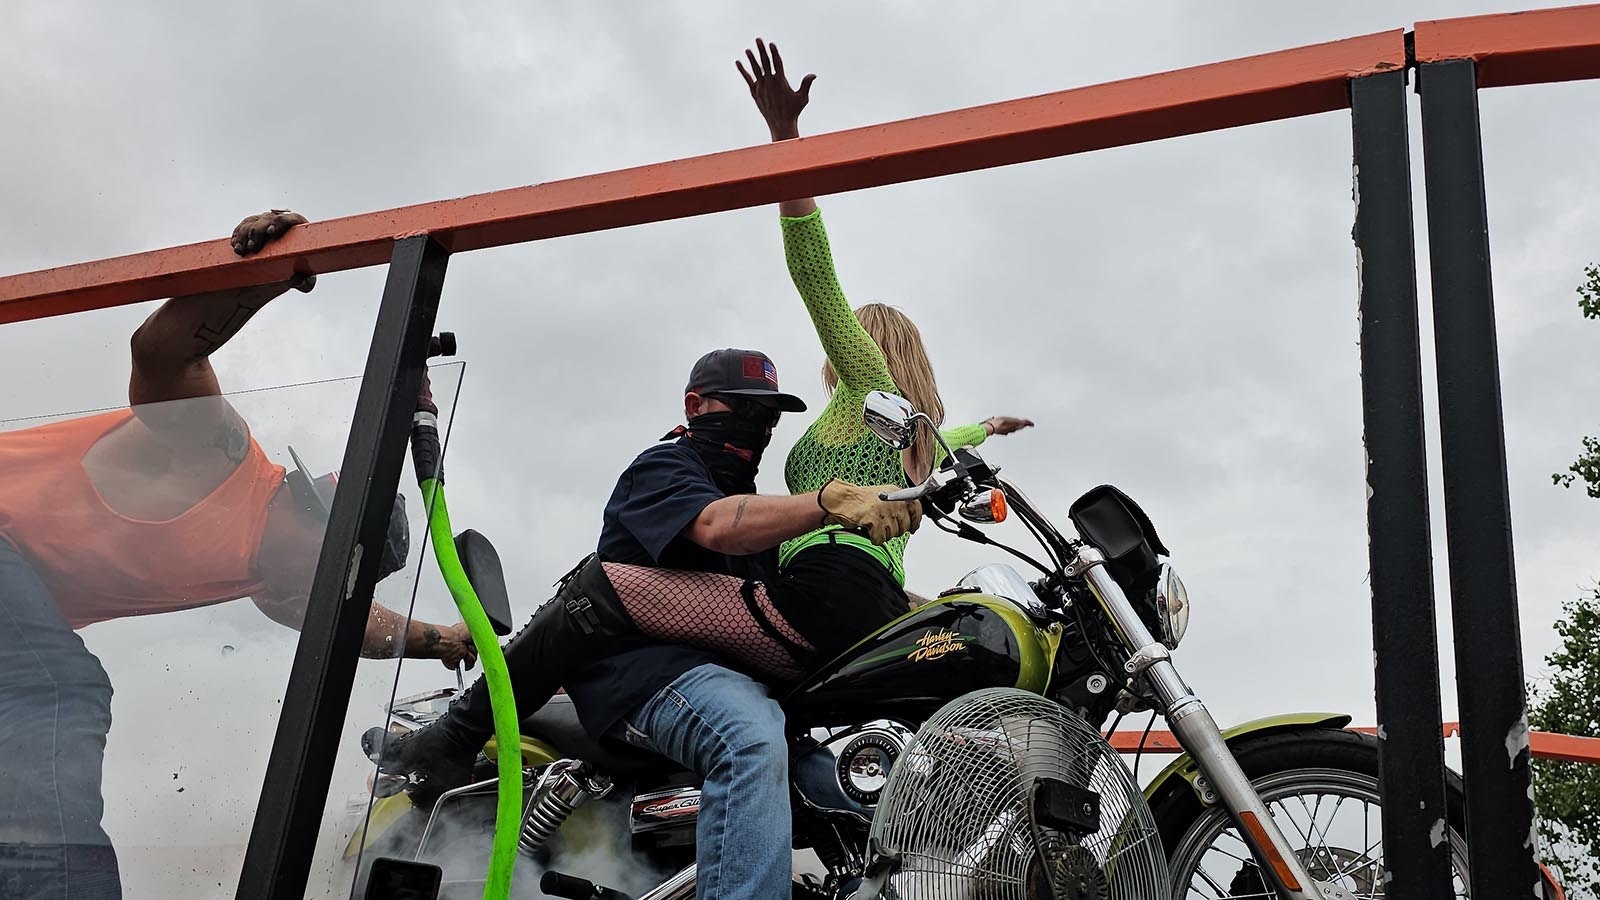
column 752, row 367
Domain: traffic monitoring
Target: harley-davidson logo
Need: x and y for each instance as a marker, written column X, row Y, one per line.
column 935, row 644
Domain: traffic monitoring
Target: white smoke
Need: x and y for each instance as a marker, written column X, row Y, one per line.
column 594, row 844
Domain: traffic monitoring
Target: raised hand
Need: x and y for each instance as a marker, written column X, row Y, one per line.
column 261, row 229
column 779, row 103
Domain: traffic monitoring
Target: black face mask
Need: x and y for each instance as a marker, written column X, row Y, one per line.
column 731, row 445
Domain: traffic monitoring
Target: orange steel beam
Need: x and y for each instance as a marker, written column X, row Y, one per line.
column 1285, row 84
column 1518, row 48
column 1546, row 745
column 1565, row 747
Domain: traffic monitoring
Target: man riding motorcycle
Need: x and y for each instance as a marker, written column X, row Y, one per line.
column 688, row 506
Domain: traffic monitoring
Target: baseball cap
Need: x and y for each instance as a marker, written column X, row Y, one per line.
column 742, row 373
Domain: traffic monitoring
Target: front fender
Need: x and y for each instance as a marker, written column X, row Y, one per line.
column 1184, row 766
column 385, row 812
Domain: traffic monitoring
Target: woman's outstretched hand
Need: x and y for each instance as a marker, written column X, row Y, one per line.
column 779, row 103
column 1006, row 424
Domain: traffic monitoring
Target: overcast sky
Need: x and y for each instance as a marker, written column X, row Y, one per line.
column 1179, row 318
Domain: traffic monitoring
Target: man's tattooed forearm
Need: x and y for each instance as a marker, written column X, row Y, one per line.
column 430, row 637
column 739, row 513
column 210, row 337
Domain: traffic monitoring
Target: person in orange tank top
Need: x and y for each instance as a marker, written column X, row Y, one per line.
column 169, row 504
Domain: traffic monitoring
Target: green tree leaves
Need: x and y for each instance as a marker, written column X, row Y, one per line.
column 1567, row 794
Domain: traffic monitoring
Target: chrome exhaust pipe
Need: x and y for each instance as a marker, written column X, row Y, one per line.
column 678, row 887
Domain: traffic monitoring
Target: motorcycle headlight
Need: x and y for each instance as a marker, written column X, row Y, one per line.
column 1172, row 606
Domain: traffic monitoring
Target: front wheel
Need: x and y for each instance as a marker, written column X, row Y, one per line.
column 1321, row 787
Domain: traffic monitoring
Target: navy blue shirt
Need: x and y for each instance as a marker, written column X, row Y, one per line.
column 655, row 501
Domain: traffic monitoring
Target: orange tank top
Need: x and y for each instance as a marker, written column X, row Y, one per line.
column 100, row 564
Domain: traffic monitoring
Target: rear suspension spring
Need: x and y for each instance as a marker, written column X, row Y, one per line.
column 563, row 788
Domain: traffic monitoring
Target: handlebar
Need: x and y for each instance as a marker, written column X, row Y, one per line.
column 910, row 493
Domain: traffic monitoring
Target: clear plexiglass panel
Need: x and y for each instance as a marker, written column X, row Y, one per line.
column 155, row 564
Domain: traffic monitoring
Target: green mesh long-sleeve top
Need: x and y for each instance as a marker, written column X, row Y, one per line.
column 838, row 444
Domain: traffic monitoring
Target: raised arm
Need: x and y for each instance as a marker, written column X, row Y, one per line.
column 172, row 349
column 780, row 105
column 855, row 358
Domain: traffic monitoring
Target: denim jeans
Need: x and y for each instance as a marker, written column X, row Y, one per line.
column 726, row 728
column 55, row 711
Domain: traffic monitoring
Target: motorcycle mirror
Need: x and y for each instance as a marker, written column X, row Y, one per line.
column 985, row 508
column 891, row 418
column 488, row 579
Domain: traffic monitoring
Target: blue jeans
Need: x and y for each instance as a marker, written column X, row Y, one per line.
column 55, row 711
column 726, row 728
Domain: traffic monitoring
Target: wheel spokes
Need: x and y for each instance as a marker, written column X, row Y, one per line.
column 1336, row 816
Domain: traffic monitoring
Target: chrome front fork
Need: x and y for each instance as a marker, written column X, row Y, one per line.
column 1197, row 731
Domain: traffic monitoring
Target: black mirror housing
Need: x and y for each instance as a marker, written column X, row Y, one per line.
column 482, row 565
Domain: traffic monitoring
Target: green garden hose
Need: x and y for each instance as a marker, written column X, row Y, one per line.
column 508, row 809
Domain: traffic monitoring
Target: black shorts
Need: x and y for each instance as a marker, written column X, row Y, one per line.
column 835, row 595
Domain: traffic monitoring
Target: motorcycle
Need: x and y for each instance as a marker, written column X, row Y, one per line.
column 915, row 756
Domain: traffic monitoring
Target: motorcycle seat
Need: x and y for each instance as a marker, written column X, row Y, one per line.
column 557, row 723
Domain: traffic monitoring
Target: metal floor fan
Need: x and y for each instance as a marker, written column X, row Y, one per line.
column 1004, row 795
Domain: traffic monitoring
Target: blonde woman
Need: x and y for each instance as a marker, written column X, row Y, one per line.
column 875, row 347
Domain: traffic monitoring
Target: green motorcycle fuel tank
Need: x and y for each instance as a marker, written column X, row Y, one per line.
column 959, row 643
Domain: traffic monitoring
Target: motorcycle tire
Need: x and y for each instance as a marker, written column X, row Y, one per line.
column 1203, row 846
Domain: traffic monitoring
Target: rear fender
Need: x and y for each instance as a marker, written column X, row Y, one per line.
column 1184, row 768
column 389, row 811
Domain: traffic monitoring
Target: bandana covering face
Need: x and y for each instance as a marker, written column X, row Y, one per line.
column 731, row 447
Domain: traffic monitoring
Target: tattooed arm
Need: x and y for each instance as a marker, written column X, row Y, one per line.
column 751, row 523
column 450, row 644
column 172, row 349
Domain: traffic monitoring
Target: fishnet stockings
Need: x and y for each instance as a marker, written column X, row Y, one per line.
column 720, row 613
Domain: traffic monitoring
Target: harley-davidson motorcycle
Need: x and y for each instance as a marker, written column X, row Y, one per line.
column 958, row 751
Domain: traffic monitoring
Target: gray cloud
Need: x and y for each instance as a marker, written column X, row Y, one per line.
column 1180, row 318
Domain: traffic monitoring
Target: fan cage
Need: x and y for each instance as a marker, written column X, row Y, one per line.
column 956, row 814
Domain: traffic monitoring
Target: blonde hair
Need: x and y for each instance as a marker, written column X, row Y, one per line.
column 897, row 336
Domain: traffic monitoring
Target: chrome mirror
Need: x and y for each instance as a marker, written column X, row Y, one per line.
column 890, row 418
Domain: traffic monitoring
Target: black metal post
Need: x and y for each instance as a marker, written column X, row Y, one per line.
column 277, row 861
column 1404, row 637
column 1483, row 590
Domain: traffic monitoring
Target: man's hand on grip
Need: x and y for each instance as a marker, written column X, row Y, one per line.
column 860, row 509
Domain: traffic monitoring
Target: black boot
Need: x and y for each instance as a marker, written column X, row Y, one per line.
column 438, row 757
column 575, row 627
